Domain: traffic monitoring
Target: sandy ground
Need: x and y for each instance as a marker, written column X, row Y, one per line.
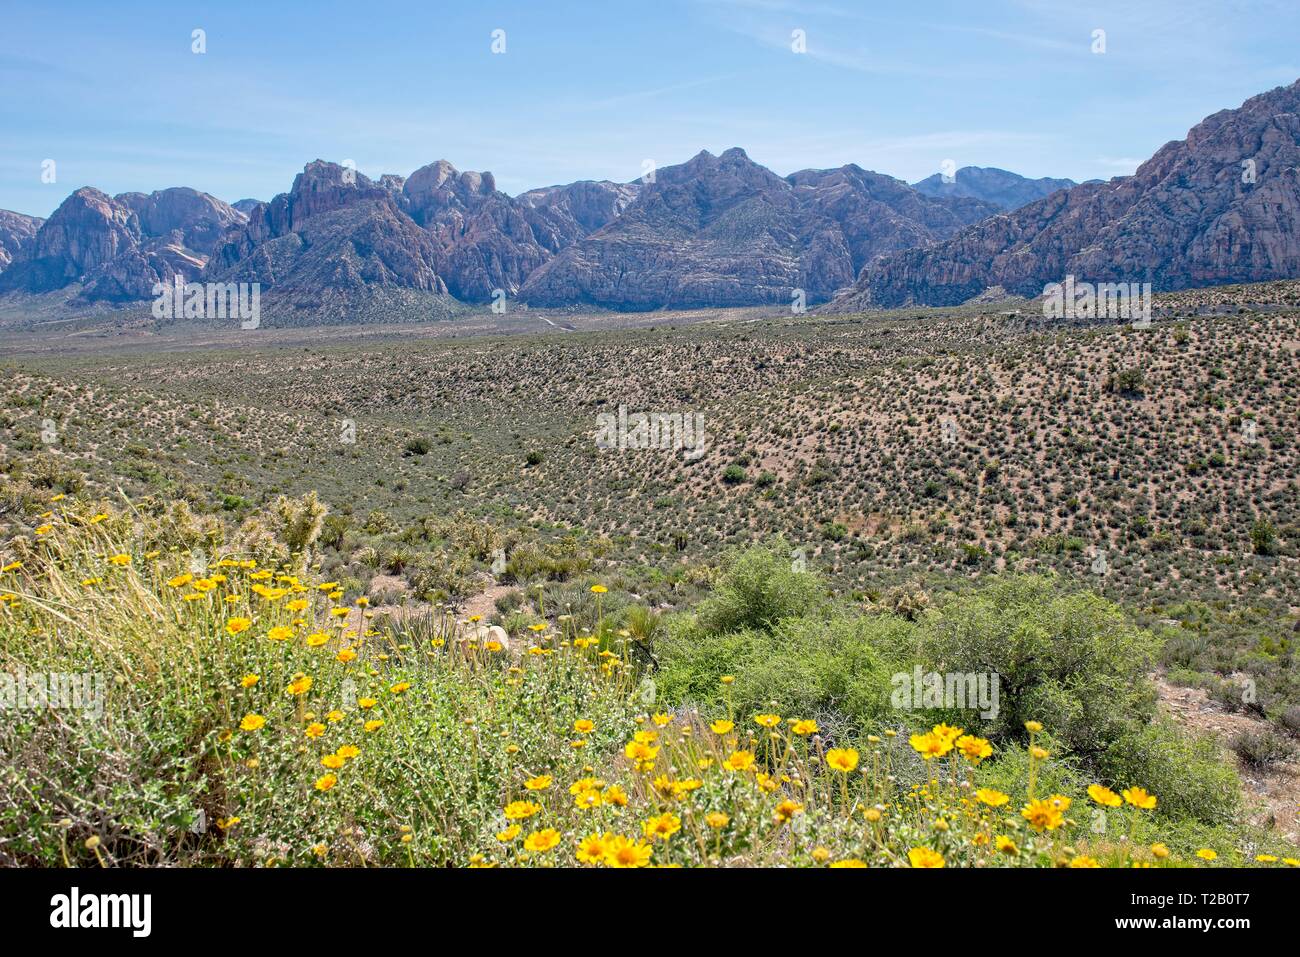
column 1277, row 791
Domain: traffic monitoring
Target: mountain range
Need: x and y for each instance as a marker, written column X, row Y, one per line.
column 1220, row 206
column 1005, row 190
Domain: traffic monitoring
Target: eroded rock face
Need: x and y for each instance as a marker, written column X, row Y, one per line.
column 86, row 232
column 334, row 230
column 488, row 240
column 199, row 218
column 16, row 230
column 1190, row 216
column 1004, row 189
column 725, row 231
column 119, row 248
column 582, row 207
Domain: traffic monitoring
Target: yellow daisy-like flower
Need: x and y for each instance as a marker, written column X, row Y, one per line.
column 947, row 732
column 664, row 826
column 280, row 633
column 804, row 727
column 1104, row 796
column 930, row 745
column 586, row 784
column 1206, row 854
column 767, row 720
column 1006, row 846
column 235, row 625
column 348, row 751
column 615, row 795
column 122, row 559
column 643, row 754
column 842, row 759
column 249, row 680
column 332, row 761
column 717, row 820
column 539, row 783
column 252, row 722
column 300, row 685
column 583, row 726
column 1043, row 814
column 400, row 687
column 591, row 849
column 925, row 857
column 721, row 726
column 598, row 589
column 974, row 749
column 786, row 810
column 509, row 834
column 852, row 862
column 1084, row 860
column 1139, row 798
column 541, row 841
column 991, row 797
column 325, row 782
column 374, row 724
column 519, row 810
column 621, row 852
column 1160, row 851
column 739, row 761
column 365, row 704
column 314, row 730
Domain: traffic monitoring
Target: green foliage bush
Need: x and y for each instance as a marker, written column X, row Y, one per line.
column 1186, row 773
column 835, row 668
column 757, row 589
column 1070, row 660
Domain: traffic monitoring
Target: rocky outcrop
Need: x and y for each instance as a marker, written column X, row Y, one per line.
column 488, row 240
column 117, row 249
column 334, row 231
column 1221, row 206
column 583, row 207
column 16, row 230
column 725, row 231
column 183, row 216
column 1001, row 188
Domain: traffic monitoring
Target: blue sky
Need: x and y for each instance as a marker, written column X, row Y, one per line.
column 113, row 93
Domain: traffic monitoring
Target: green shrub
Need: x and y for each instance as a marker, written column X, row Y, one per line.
column 1070, row 660
column 1186, row 773
column 832, row 668
column 758, row 587
column 1262, row 749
